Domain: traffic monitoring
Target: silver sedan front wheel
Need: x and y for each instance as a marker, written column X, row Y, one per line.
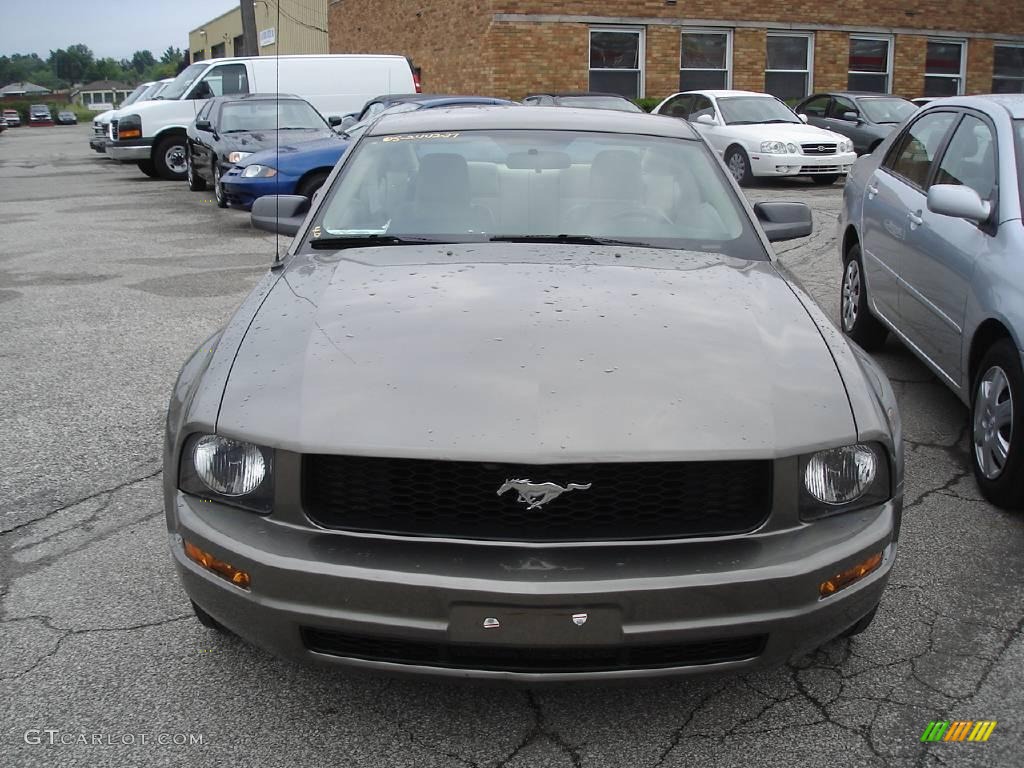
column 993, row 422
column 851, row 295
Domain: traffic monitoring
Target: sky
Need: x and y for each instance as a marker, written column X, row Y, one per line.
column 114, row 28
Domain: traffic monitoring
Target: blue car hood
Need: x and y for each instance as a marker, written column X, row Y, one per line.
column 296, row 158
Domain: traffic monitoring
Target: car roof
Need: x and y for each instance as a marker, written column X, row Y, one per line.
column 1012, row 103
column 577, row 94
column 857, row 95
column 720, row 93
column 531, row 118
column 256, row 97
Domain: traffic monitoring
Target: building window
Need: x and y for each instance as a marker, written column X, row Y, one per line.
column 789, row 66
column 217, row 51
column 870, row 66
column 198, row 55
column 705, row 60
column 238, row 45
column 1008, row 69
column 616, row 61
column 944, row 68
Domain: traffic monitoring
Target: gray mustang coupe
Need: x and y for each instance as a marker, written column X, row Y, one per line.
column 529, row 398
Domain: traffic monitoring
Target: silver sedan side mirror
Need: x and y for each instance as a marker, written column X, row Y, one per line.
column 282, row 214
column 958, row 201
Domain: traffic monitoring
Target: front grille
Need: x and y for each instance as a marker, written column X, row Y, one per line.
column 459, row 499
column 498, row 658
column 113, row 130
column 819, row 149
column 811, row 169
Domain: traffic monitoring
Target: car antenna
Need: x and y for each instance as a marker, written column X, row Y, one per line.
column 277, row 137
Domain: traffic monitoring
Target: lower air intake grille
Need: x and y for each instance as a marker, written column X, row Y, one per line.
column 517, row 659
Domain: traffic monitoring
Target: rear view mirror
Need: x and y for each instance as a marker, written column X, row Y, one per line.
column 959, row 202
column 282, row 214
column 784, row 221
column 707, row 120
column 804, row 117
column 536, row 160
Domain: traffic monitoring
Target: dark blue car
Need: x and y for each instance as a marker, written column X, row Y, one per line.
column 300, row 168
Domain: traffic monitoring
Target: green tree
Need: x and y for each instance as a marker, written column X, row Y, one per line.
column 141, row 61
column 172, row 56
column 71, row 64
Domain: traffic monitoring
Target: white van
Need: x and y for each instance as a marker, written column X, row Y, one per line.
column 152, row 135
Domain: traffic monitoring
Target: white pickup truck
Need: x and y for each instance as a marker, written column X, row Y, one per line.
column 152, row 135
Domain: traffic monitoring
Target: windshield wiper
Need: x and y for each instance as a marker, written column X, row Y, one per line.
column 567, row 239
column 373, row 241
column 778, row 120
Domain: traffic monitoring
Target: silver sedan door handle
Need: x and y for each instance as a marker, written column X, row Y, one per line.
column 915, row 220
column 872, row 191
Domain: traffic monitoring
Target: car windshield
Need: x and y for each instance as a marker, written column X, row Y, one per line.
column 598, row 102
column 529, row 185
column 151, row 91
column 886, row 109
column 133, row 96
column 269, row 115
column 750, row 110
column 177, row 87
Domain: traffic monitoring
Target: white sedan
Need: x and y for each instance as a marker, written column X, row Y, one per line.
column 758, row 135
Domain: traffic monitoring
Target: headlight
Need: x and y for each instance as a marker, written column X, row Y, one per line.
column 258, row 171
column 845, row 146
column 773, row 147
column 793, row 149
column 237, row 157
column 227, row 470
column 843, row 479
column 129, row 127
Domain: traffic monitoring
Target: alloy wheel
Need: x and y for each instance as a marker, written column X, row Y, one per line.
column 993, row 422
column 737, row 166
column 851, row 294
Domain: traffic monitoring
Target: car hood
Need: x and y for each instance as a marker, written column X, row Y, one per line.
column 259, row 141
column 104, row 117
column 299, row 157
column 518, row 352
column 795, row 132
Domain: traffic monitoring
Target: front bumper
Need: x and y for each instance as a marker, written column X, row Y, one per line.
column 99, row 143
column 762, row 164
column 409, row 593
column 242, row 193
column 131, row 151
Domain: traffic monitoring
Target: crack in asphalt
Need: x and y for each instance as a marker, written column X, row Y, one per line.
column 76, row 502
column 47, row 621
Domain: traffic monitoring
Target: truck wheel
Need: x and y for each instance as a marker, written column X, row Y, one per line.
column 169, row 158
column 147, row 167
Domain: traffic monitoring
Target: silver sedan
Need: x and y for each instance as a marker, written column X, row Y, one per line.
column 529, row 398
column 933, row 252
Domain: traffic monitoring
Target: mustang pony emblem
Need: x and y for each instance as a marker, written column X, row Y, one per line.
column 535, row 495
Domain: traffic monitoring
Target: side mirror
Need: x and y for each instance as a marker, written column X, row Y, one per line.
column 348, row 121
column 204, row 125
column 783, row 221
column 850, row 117
column 804, row 117
column 707, row 120
column 282, row 214
column 959, row 202
column 334, row 120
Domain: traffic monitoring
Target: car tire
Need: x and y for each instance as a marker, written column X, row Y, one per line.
column 997, row 426
column 147, row 167
column 826, row 180
column 855, row 316
column 738, row 163
column 862, row 623
column 169, row 158
column 311, row 184
column 218, row 186
column 208, row 621
column 195, row 182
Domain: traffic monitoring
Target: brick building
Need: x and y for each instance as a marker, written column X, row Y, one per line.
column 655, row 47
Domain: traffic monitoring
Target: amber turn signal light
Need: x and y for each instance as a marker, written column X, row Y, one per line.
column 225, row 570
column 850, row 575
column 130, row 134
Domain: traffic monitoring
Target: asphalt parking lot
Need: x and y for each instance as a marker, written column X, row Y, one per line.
column 109, row 279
